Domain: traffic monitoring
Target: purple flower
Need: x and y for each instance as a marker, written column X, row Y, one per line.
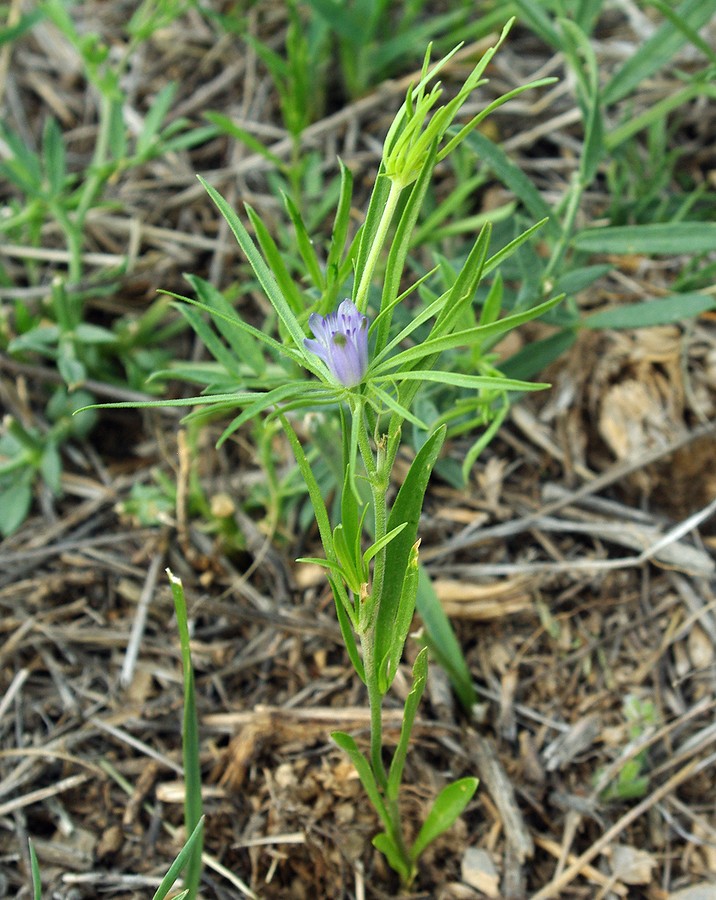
column 341, row 342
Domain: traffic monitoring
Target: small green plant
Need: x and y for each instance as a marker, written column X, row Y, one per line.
column 632, row 781
column 367, row 365
column 29, row 453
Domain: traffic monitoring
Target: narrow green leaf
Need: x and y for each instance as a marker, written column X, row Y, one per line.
column 244, row 347
column 72, row 370
column 155, row 117
column 347, row 620
column 383, row 542
column 496, row 260
column 305, row 245
column 284, row 393
column 448, row 805
column 488, row 382
column 420, row 676
column 536, row 356
column 394, row 406
column 314, row 491
column 647, row 313
column 53, row 151
column 11, row 33
column 576, row 280
column 35, row 872
column 406, row 510
column 275, row 260
column 351, row 518
column 535, row 16
column 351, row 569
column 51, row 466
column 186, row 853
column 469, row 128
column 658, row 50
column 583, row 61
column 397, row 862
column 341, row 221
column 15, row 500
column 462, row 292
column 87, row 333
column 428, row 312
column 485, row 438
column 660, row 238
column 365, row 773
column 227, row 126
column 236, row 322
column 261, row 270
column 691, row 34
column 190, row 741
column 442, row 642
column 210, row 340
column 341, row 18
column 403, row 618
column 466, row 338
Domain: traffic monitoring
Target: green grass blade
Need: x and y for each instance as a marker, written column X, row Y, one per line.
column 691, row 34
column 658, row 239
column 536, row 18
column 305, row 245
column 190, row 743
column 498, row 258
column 513, row 178
column 661, row 311
column 35, row 871
column 284, row 392
column 442, row 642
column 184, row 856
column 659, row 49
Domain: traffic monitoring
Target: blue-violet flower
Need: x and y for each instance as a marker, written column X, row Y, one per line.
column 341, row 342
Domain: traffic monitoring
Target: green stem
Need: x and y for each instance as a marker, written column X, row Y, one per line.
column 368, row 614
column 575, row 197
column 375, row 702
column 96, row 179
column 381, row 233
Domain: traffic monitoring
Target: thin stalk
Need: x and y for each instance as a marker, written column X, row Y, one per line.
column 95, row 180
column 381, row 233
column 375, row 702
column 560, row 248
column 368, row 615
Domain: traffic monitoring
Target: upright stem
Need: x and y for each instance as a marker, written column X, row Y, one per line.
column 375, row 702
column 381, row 232
column 575, row 195
column 369, row 614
